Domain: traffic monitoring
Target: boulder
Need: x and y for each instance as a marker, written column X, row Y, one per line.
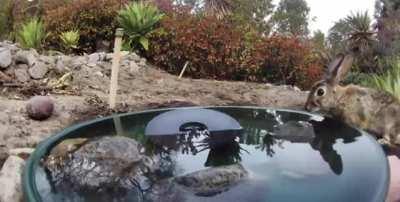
column 62, row 63
column 78, row 62
column 38, row 70
column 49, row 60
column 10, row 180
column 93, row 59
column 40, row 107
column 21, row 73
column 5, row 58
column 26, row 57
column 101, row 163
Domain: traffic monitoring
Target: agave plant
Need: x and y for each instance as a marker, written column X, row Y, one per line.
column 138, row 20
column 70, row 39
column 31, row 34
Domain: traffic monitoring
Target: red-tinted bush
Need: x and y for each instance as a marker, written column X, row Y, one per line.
column 95, row 20
column 212, row 47
column 217, row 49
column 285, row 60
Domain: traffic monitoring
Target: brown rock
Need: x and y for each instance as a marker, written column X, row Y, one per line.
column 40, row 107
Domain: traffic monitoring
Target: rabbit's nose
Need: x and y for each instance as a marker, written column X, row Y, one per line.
column 311, row 106
column 306, row 107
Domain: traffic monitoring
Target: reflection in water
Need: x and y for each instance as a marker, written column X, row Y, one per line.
column 327, row 137
column 223, row 146
column 266, row 130
column 318, row 134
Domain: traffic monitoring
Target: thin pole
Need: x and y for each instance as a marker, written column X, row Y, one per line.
column 183, row 70
column 115, row 68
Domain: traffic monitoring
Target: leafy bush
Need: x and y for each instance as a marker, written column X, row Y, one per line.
column 356, row 77
column 388, row 81
column 32, row 34
column 217, row 49
column 95, row 20
column 138, row 20
column 212, row 47
column 70, row 40
column 286, row 60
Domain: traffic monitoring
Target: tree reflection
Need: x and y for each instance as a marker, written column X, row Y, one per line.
column 322, row 137
column 267, row 144
column 223, row 146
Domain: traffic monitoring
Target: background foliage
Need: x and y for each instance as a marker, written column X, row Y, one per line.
column 252, row 40
column 217, row 49
column 95, row 20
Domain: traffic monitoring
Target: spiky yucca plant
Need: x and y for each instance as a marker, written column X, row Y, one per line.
column 31, row 34
column 138, row 19
column 361, row 35
column 70, row 39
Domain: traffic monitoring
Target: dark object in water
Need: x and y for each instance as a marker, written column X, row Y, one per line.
column 185, row 120
column 212, row 181
column 107, row 162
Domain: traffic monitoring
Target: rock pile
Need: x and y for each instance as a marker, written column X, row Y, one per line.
column 24, row 66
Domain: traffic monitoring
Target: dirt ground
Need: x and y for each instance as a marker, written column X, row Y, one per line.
column 146, row 88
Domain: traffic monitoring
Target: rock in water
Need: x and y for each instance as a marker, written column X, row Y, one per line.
column 214, row 180
column 5, row 58
column 107, row 162
column 10, row 180
column 40, row 107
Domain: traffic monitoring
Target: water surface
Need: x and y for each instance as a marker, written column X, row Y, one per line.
column 290, row 157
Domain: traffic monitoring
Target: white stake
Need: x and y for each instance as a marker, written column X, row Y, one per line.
column 183, row 70
column 115, row 68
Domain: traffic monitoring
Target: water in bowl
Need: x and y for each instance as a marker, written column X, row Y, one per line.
column 289, row 157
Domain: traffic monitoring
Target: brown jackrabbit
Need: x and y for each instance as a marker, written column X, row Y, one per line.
column 375, row 111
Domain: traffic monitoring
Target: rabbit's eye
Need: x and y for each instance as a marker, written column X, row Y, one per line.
column 321, row 92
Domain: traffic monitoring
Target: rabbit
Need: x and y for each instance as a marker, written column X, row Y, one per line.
column 374, row 111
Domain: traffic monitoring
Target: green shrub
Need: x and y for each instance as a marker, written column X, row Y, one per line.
column 95, row 20
column 388, row 81
column 138, row 19
column 70, row 40
column 357, row 78
column 31, row 34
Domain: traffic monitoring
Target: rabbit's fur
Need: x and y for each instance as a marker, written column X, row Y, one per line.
column 375, row 111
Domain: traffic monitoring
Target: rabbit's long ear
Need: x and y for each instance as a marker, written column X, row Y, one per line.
column 338, row 69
